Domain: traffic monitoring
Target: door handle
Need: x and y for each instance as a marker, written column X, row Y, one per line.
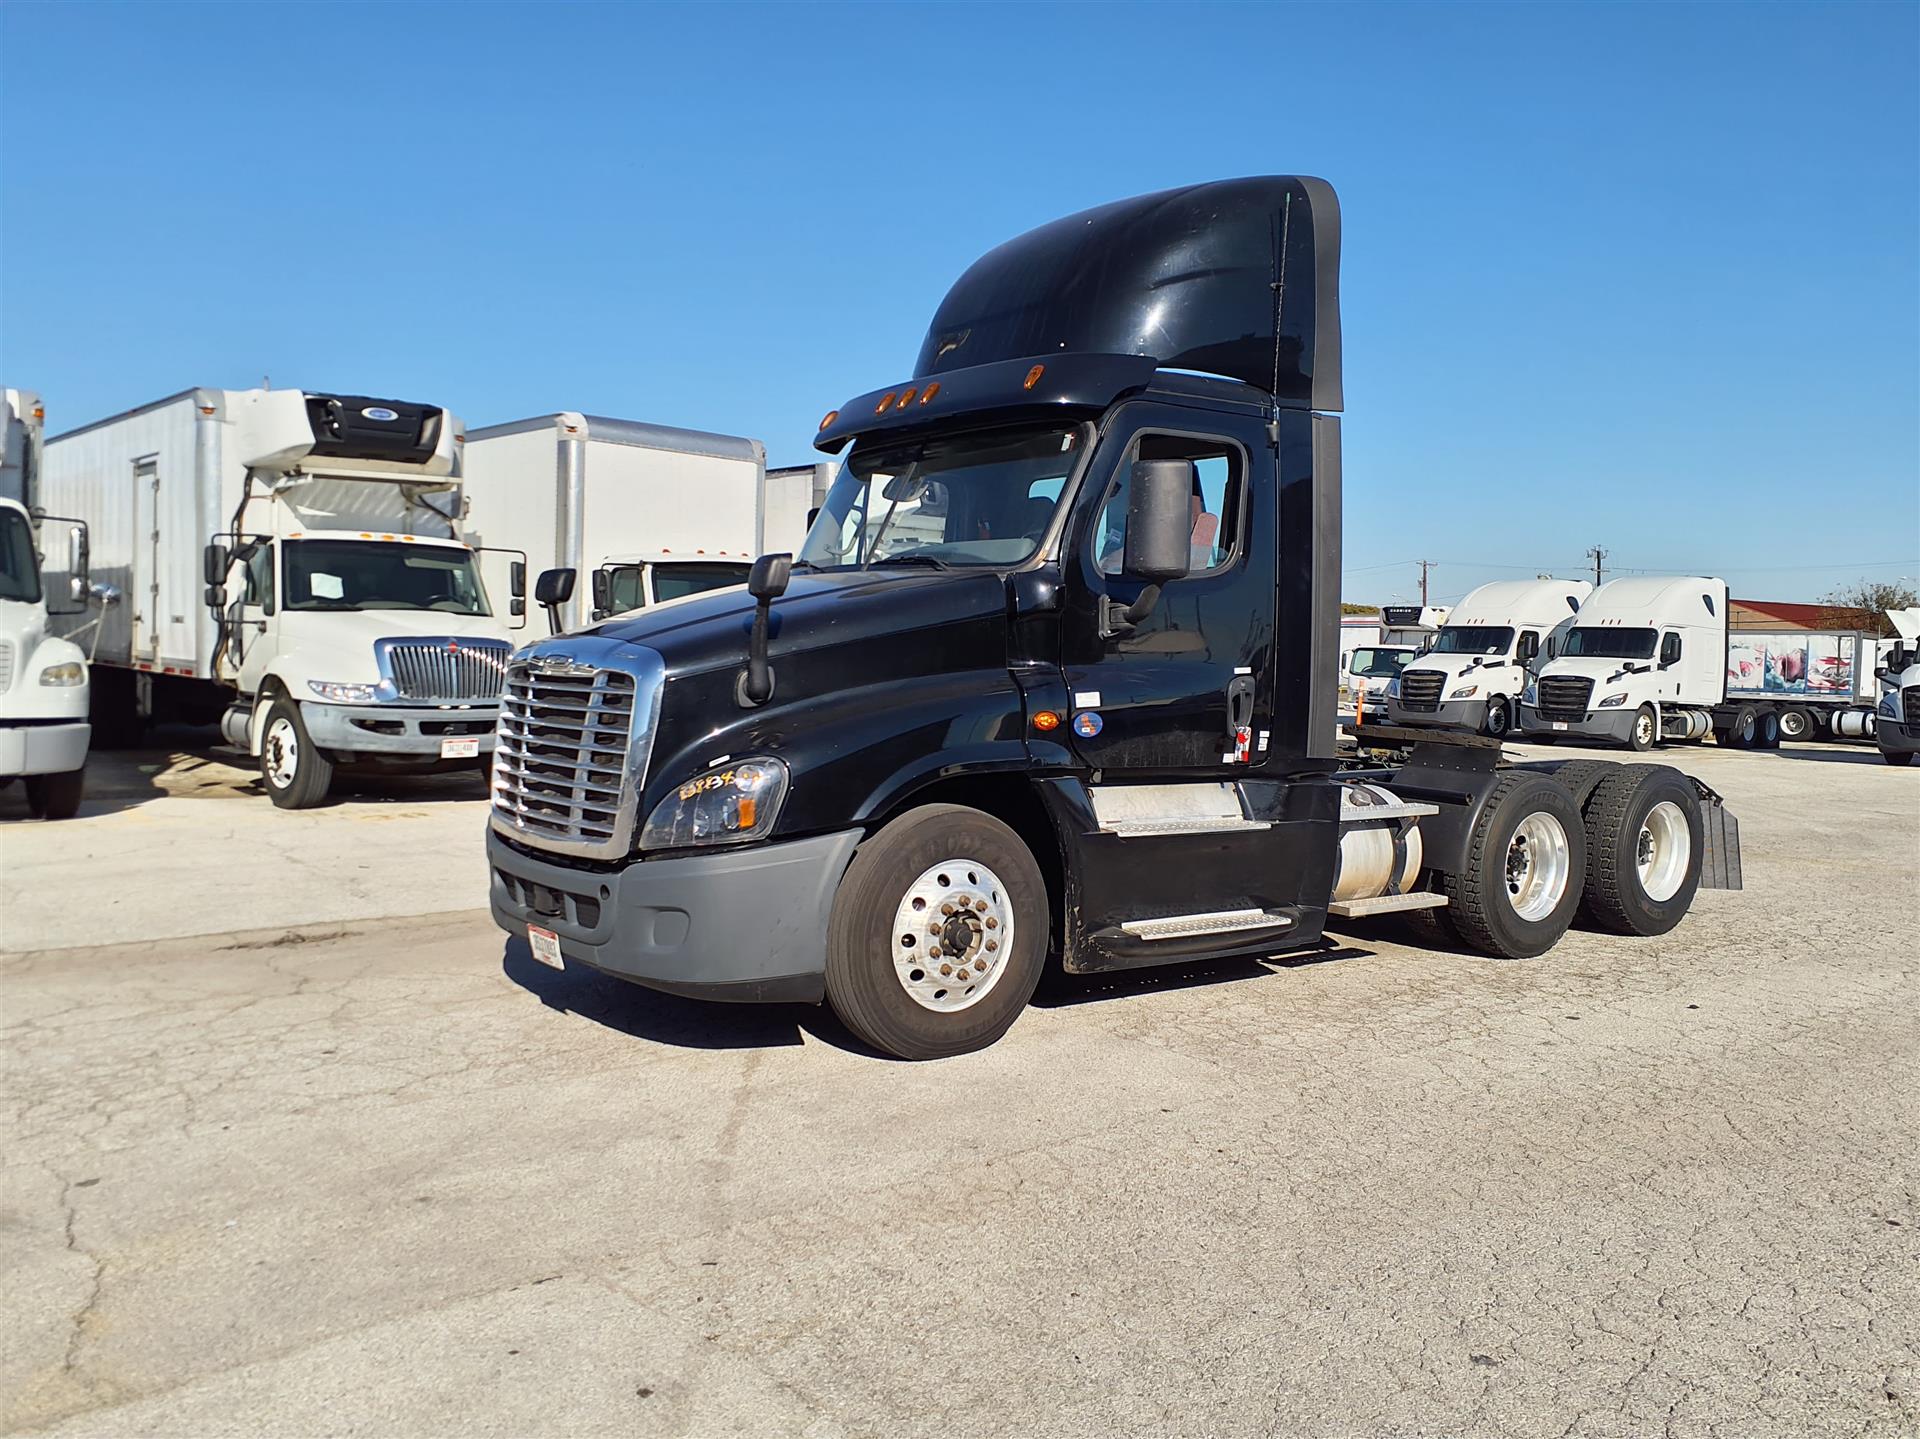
column 1240, row 702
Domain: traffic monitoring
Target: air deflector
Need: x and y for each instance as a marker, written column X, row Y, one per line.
column 1234, row 277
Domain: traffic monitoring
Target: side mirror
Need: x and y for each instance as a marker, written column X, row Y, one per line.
column 1159, row 521
column 769, row 577
column 215, row 562
column 517, row 583
column 79, row 562
column 216, row 598
column 602, row 582
column 554, row 587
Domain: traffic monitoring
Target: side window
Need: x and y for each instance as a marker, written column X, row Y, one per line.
column 1670, row 648
column 1219, row 474
column 260, row 578
column 624, row 590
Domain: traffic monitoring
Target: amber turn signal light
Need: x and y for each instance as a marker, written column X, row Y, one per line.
column 1044, row 720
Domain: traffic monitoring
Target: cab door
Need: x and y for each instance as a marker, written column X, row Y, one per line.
column 253, row 633
column 1170, row 694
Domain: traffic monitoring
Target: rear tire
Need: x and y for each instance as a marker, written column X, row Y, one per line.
column 296, row 774
column 56, row 796
column 1579, row 776
column 1796, row 725
column 1646, row 730
column 1741, row 729
column 1526, row 858
column 957, row 889
column 1645, row 845
column 1766, row 731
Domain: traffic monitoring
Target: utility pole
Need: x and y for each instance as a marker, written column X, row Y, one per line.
column 1596, row 554
column 1424, row 566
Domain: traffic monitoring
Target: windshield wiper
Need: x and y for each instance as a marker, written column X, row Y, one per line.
column 929, row 560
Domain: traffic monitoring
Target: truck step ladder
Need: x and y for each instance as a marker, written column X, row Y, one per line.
column 1385, row 904
column 1225, row 921
column 1138, row 810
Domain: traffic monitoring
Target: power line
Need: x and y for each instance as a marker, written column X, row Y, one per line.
column 1598, row 556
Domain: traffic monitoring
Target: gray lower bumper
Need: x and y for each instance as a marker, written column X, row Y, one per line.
column 1607, row 726
column 398, row 729
column 43, row 748
column 1893, row 737
column 1451, row 714
column 736, row 924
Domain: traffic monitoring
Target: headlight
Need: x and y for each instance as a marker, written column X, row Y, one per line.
column 1393, row 688
column 71, row 673
column 1889, row 707
column 342, row 694
column 1465, row 692
column 726, row 804
column 1531, row 694
column 1614, row 701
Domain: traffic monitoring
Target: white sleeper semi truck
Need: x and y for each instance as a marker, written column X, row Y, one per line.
column 1471, row 675
column 295, row 570
column 649, row 513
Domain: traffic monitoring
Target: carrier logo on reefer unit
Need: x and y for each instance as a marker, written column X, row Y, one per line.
column 380, row 412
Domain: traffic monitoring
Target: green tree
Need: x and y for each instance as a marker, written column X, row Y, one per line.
column 1845, row 603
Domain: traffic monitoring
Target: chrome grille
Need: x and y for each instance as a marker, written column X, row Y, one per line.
column 1420, row 690
column 571, row 748
column 445, row 669
column 1565, row 696
column 6, row 666
column 1909, row 704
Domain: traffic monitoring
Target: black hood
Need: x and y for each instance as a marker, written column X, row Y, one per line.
column 831, row 610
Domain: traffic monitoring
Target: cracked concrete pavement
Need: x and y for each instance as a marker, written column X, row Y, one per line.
column 389, row 1176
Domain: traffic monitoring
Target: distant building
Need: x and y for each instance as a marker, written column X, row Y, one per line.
column 1781, row 615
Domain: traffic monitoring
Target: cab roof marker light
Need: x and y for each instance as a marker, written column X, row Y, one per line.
column 829, row 418
column 1033, row 377
column 906, row 397
column 886, row 400
column 930, row 391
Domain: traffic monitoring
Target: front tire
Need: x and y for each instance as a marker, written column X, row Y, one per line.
column 56, row 796
column 1525, row 860
column 296, row 774
column 1645, row 731
column 1499, row 722
column 938, row 934
column 1645, row 845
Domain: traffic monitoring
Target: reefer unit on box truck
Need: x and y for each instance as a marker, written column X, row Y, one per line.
column 1645, row 660
column 293, row 567
column 1471, row 675
column 647, row 512
column 22, row 420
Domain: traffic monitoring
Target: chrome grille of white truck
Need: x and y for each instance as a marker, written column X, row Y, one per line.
column 6, row 666
column 1909, row 704
column 571, row 750
column 1420, row 690
column 445, row 669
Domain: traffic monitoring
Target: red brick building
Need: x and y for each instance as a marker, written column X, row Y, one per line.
column 1781, row 615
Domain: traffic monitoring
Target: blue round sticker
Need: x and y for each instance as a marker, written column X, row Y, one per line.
column 1087, row 723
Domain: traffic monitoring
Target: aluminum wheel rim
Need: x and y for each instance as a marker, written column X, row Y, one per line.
column 1662, row 851
column 1538, row 863
column 952, row 934
column 1496, row 718
column 283, row 752
column 1792, row 726
column 1643, row 728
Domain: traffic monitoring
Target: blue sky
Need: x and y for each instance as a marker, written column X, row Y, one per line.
column 1642, row 276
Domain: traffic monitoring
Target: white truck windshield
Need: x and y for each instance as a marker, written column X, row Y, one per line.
column 1592, row 642
column 984, row 500
column 1379, row 664
column 381, row 575
column 1474, row 640
column 19, row 564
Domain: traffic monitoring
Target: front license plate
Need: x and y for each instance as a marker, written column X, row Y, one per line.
column 1560, row 724
column 545, row 945
column 460, row 746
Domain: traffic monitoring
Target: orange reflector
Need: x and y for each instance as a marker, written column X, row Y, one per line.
column 746, row 809
column 830, row 417
column 1044, row 720
column 930, row 391
column 906, row 396
column 39, row 412
column 885, row 401
column 1033, row 376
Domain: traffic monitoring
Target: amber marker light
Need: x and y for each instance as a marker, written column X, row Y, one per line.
column 1033, row 377
column 885, row 401
column 906, row 397
column 831, row 416
column 930, row 391
column 1044, row 720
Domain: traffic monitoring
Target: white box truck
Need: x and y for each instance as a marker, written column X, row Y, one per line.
column 649, row 512
column 294, row 568
column 1645, row 660
column 1373, row 651
column 44, row 731
column 1471, row 675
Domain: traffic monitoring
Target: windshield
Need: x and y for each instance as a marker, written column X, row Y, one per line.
column 672, row 581
column 979, row 500
column 19, row 564
column 1379, row 663
column 1592, row 643
column 1474, row 640
column 381, row 575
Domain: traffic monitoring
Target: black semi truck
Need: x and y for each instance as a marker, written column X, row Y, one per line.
column 1050, row 680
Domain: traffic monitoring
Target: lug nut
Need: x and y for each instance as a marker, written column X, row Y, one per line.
column 946, row 969
column 992, row 923
column 980, row 904
column 933, row 952
column 993, row 944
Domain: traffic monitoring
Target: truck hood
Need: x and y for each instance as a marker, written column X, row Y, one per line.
column 712, row 630
column 1597, row 668
column 1457, row 666
column 337, row 645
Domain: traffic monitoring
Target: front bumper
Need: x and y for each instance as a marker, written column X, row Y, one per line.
column 1453, row 714
column 1894, row 737
column 58, row 748
column 398, row 729
column 1614, row 726
column 732, row 924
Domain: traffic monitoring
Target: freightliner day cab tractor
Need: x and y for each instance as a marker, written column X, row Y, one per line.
column 294, row 570
column 1898, row 730
column 1472, row 674
column 1051, row 676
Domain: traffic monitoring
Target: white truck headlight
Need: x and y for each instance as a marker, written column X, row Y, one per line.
column 1393, row 688
column 1614, row 701
column 1889, row 707
column 1531, row 694
column 1465, row 692
column 342, row 694
column 73, row 672
column 727, row 804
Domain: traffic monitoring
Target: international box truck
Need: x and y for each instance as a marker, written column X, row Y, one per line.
column 1472, row 673
column 1050, row 680
column 647, row 513
column 44, row 730
column 294, row 570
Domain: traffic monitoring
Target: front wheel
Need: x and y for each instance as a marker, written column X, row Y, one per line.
column 1526, row 857
column 296, row 774
column 1499, row 718
column 938, row 934
column 1646, row 729
column 56, row 796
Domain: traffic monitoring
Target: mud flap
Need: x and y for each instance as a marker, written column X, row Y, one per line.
column 1720, row 865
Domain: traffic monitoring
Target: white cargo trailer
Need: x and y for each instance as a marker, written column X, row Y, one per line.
column 1470, row 676
column 644, row 513
column 361, row 633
